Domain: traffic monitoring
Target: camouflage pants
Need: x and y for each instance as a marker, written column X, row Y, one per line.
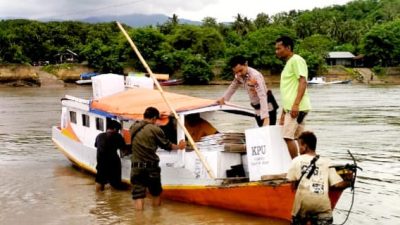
column 143, row 179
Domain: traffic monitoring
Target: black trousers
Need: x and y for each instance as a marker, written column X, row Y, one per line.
column 272, row 118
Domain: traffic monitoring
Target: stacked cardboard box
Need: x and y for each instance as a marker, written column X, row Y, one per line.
column 228, row 142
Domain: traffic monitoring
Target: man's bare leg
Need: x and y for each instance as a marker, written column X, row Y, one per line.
column 99, row 187
column 292, row 147
column 139, row 204
column 156, row 201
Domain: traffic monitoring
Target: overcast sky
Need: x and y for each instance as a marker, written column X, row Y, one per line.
column 222, row 10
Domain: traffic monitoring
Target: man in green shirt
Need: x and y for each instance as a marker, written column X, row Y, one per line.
column 147, row 137
column 294, row 96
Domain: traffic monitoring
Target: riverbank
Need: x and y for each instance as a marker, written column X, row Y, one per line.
column 57, row 75
column 26, row 75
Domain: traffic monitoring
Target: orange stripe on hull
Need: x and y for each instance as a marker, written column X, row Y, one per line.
column 70, row 133
column 264, row 200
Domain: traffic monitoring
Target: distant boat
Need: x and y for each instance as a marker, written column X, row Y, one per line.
column 86, row 78
column 321, row 80
column 171, row 82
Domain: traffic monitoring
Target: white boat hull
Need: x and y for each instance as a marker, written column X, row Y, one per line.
column 172, row 172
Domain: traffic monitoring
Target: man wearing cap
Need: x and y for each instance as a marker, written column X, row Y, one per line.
column 147, row 137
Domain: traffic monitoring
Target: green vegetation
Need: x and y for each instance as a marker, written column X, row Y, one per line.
column 368, row 27
column 54, row 68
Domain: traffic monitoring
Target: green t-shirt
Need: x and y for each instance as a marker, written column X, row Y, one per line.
column 295, row 67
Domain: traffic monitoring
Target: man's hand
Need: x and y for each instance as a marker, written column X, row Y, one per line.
column 221, row 101
column 282, row 120
column 295, row 111
column 182, row 144
column 266, row 122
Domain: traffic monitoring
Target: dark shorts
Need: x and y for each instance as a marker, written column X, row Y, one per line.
column 142, row 178
column 314, row 220
column 109, row 171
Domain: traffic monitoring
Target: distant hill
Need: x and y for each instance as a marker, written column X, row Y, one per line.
column 135, row 20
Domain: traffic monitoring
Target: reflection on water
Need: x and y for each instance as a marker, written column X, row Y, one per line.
column 38, row 185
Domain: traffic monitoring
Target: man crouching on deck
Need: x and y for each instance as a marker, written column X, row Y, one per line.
column 146, row 173
column 313, row 176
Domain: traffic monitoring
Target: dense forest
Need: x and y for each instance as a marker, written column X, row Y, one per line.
column 363, row 27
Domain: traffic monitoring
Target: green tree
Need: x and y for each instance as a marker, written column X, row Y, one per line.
column 211, row 44
column 185, row 37
column 318, row 44
column 207, row 42
column 242, row 25
column 259, row 46
column 169, row 26
column 285, row 18
column 209, row 22
column 102, row 57
column 382, row 43
column 262, row 20
column 345, row 48
column 149, row 41
column 171, row 60
column 195, row 70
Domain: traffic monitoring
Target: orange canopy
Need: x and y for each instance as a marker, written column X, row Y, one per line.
column 132, row 103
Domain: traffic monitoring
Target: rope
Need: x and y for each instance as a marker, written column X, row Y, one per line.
column 353, row 168
column 348, row 211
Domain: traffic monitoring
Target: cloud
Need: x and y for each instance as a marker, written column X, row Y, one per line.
column 222, row 10
column 69, row 9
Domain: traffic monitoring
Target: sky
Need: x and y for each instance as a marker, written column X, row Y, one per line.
column 222, row 10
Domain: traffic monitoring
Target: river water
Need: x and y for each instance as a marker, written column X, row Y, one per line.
column 39, row 186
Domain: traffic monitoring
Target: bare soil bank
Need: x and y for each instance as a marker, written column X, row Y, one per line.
column 27, row 75
column 19, row 75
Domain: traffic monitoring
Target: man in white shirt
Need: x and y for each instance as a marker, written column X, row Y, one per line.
column 314, row 176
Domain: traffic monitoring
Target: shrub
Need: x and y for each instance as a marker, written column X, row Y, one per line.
column 195, row 70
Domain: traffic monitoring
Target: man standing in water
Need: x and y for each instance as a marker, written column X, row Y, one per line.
column 261, row 99
column 108, row 162
column 146, row 173
column 294, row 95
column 313, row 176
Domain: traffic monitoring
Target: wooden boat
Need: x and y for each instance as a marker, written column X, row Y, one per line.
column 184, row 178
column 321, row 81
column 86, row 78
column 171, row 82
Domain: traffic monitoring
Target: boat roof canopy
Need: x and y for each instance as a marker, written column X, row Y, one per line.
column 132, row 103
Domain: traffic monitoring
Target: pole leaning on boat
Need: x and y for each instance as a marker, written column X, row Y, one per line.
column 190, row 139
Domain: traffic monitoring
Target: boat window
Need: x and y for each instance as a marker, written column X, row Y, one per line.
column 169, row 129
column 99, row 124
column 72, row 116
column 85, row 120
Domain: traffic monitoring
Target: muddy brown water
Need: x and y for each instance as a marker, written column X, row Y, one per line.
column 39, row 186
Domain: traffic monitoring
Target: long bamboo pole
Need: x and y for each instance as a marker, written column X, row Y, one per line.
column 190, row 139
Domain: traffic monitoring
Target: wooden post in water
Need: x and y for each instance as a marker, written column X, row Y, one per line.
column 190, row 139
